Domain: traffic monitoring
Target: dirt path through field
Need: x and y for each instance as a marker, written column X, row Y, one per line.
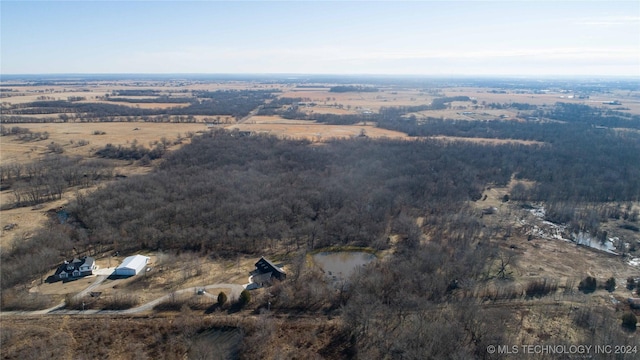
column 250, row 114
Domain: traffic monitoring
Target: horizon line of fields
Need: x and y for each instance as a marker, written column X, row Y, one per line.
column 295, row 76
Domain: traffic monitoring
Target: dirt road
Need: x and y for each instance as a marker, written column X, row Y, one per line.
column 249, row 115
column 234, row 293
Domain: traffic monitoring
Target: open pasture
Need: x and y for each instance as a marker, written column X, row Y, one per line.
column 68, row 135
column 485, row 141
column 161, row 106
column 629, row 100
column 362, row 100
column 317, row 132
column 466, row 114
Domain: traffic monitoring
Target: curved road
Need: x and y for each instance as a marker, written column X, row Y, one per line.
column 235, row 293
column 235, row 290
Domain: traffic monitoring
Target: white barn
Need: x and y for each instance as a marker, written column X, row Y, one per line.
column 132, row 265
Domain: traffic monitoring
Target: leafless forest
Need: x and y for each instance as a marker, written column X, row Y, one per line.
column 449, row 281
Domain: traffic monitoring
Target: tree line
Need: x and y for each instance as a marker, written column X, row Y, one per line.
column 352, row 88
column 230, row 194
column 233, row 103
column 47, row 179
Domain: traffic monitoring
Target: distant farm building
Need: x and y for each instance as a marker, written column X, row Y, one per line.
column 76, row 268
column 266, row 270
column 132, row 265
column 306, row 103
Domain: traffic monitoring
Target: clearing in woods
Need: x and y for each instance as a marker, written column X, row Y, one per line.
column 68, row 135
column 29, row 219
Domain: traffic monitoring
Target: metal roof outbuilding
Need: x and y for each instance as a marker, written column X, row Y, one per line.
column 132, row 265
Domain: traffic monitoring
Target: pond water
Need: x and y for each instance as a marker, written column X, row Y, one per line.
column 341, row 265
column 63, row 215
column 587, row 240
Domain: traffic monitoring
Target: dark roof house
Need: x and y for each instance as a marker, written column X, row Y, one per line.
column 76, row 268
column 264, row 266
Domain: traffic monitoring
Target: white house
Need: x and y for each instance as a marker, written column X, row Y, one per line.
column 132, row 265
column 76, row 268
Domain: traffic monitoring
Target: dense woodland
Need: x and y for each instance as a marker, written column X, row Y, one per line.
column 229, row 194
column 225, row 194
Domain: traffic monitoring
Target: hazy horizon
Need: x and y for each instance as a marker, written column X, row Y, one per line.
column 364, row 38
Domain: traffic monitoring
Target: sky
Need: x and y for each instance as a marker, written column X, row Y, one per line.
column 530, row 38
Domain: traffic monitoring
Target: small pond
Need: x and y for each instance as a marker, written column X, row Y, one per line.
column 340, row 265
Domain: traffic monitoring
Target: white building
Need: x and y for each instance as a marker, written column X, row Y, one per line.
column 132, row 265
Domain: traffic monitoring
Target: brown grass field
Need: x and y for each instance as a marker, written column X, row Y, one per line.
column 116, row 133
column 628, row 99
column 458, row 114
column 537, row 258
column 326, row 109
column 366, row 100
column 350, row 101
column 168, row 274
column 317, row 132
column 68, row 135
column 144, row 105
column 124, row 133
column 487, row 141
column 563, row 261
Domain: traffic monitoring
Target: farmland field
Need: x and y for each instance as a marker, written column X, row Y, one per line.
column 484, row 205
column 68, row 134
column 317, row 132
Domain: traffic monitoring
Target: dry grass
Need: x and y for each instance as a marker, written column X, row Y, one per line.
column 320, row 94
column 13, row 151
column 262, row 119
column 316, row 132
column 168, row 273
column 28, row 221
column 365, row 100
column 64, row 133
column 412, row 97
column 90, row 337
column 560, row 260
column 457, row 114
column 143, row 105
column 487, row 141
column 628, row 99
column 29, row 94
column 533, row 253
column 325, row 109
